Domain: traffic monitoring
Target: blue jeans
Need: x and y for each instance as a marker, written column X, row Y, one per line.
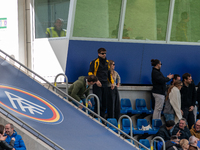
column 169, row 117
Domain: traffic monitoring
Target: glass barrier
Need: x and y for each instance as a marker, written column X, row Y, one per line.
column 51, row 18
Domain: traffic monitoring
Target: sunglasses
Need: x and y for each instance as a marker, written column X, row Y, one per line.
column 113, row 64
column 103, row 53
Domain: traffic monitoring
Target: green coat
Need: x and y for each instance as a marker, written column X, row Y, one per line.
column 78, row 89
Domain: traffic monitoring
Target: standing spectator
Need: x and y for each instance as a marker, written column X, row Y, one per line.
column 195, row 130
column 188, row 99
column 10, row 133
column 113, row 95
column 181, row 129
column 193, row 143
column 184, row 144
column 100, row 67
column 79, row 90
column 3, row 144
column 159, row 87
column 172, row 109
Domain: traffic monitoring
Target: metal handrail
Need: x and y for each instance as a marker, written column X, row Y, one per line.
column 63, row 97
column 131, row 130
column 98, row 105
column 160, row 138
column 65, row 79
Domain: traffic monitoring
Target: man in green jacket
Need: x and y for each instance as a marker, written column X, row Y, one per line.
column 79, row 90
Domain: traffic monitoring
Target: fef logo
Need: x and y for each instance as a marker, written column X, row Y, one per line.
column 29, row 105
column 3, row 23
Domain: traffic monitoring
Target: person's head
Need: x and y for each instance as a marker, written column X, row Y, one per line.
column 182, row 123
column 184, row 143
column 102, row 53
column 187, row 78
column 92, row 79
column 175, row 139
column 9, row 129
column 197, row 126
column 112, row 65
column 176, row 77
column 169, row 124
column 156, row 63
column 185, row 16
column 2, row 129
column 58, row 23
column 193, row 140
column 178, row 84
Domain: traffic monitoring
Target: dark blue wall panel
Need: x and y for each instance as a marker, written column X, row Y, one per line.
column 133, row 60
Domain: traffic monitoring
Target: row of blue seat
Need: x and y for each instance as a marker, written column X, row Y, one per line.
column 156, row 123
column 140, row 107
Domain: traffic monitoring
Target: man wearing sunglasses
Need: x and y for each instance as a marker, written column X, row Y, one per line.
column 100, row 67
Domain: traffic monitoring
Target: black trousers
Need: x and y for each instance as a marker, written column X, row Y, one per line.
column 189, row 116
column 102, row 93
column 113, row 103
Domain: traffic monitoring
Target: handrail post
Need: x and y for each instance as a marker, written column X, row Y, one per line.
column 157, row 137
column 131, row 130
column 98, row 106
column 65, row 79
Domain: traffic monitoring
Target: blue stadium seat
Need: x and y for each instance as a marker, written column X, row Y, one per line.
column 140, row 104
column 126, row 107
column 114, row 122
column 145, row 142
column 156, row 123
column 126, row 127
column 142, row 122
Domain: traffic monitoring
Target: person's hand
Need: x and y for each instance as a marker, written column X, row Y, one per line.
column 178, row 133
column 89, row 103
column 80, row 105
column 181, row 112
column 191, row 108
column 13, row 149
column 13, row 139
column 117, row 84
column 112, row 86
column 3, row 138
column 99, row 84
column 170, row 76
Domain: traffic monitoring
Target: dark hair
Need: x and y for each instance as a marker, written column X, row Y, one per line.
column 173, row 137
column 176, row 76
column 170, row 123
column 92, row 78
column 185, row 76
column 1, row 129
column 184, row 15
column 154, row 62
column 101, row 50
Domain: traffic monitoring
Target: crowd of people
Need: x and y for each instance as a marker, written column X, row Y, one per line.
column 9, row 139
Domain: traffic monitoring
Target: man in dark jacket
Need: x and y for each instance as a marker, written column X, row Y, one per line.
column 173, row 144
column 100, row 67
column 181, row 130
column 79, row 90
column 165, row 130
column 188, row 99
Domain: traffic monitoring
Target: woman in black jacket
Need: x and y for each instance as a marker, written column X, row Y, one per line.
column 3, row 144
column 159, row 87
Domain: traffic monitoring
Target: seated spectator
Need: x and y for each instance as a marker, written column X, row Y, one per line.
column 193, row 143
column 165, row 130
column 195, row 130
column 173, row 143
column 181, row 130
column 184, row 144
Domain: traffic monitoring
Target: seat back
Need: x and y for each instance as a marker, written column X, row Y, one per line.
column 140, row 104
column 113, row 121
column 156, row 123
column 145, row 142
column 126, row 123
column 141, row 122
column 125, row 103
